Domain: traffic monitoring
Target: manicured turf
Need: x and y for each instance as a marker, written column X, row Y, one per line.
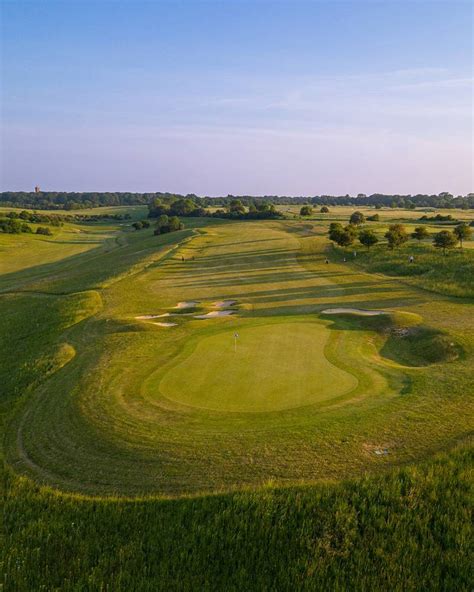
column 274, row 366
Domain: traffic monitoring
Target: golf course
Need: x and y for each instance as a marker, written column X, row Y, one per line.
column 228, row 365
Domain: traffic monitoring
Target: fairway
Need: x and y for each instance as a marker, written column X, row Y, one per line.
column 275, row 366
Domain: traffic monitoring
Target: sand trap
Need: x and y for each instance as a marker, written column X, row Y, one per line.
column 188, row 304
column 215, row 313
column 148, row 317
column 224, row 303
column 166, row 324
column 354, row 311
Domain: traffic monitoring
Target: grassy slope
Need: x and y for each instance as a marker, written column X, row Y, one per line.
column 304, row 535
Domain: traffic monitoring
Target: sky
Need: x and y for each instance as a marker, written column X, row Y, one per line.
column 237, row 97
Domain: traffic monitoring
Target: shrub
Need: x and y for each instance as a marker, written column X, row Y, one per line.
column 420, row 233
column 44, row 230
column 357, row 218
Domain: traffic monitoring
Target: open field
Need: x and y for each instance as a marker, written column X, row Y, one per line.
column 101, row 400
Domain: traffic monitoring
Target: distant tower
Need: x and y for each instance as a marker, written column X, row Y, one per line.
column 37, row 189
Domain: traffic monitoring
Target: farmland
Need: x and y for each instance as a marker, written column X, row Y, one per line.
column 134, row 411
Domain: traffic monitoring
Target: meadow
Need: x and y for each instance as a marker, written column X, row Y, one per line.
column 274, row 447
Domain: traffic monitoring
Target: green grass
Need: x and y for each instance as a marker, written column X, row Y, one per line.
column 403, row 532
column 217, row 376
column 98, row 402
column 451, row 274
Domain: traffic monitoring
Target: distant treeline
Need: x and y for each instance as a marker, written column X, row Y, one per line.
column 57, row 219
column 235, row 209
column 55, row 200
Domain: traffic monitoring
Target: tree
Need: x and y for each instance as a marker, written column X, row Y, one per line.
column 324, row 210
column 345, row 239
column 373, row 218
column 306, row 211
column 420, row 233
column 357, row 218
column 396, row 235
column 137, row 225
column 368, row 238
column 167, row 224
column 462, row 232
column 175, row 224
column 445, row 240
column 335, row 230
column 236, row 207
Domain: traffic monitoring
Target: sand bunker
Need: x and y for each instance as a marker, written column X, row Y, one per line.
column 188, row 304
column 148, row 317
column 224, row 303
column 354, row 311
column 166, row 324
column 215, row 313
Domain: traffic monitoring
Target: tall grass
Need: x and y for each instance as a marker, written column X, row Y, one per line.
column 406, row 531
column 451, row 274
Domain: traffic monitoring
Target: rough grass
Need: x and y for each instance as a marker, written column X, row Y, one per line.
column 451, row 274
column 406, row 531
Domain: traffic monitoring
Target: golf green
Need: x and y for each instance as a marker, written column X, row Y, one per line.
column 266, row 368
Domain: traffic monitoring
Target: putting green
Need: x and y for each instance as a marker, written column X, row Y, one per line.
column 275, row 366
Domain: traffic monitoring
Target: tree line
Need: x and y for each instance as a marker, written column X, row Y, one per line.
column 396, row 235
column 236, row 209
column 61, row 200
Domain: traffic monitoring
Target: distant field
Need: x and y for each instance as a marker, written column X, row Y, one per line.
column 114, row 389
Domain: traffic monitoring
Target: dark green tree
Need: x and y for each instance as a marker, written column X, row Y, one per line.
column 306, row 211
column 357, row 218
column 368, row 238
column 445, row 240
column 463, row 232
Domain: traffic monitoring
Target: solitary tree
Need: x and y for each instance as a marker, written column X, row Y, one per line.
column 368, row 238
column 357, row 218
column 324, row 210
column 396, row 235
column 306, row 211
column 420, row 233
column 445, row 240
column 462, row 232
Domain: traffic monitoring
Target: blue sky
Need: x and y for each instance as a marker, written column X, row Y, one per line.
column 262, row 97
